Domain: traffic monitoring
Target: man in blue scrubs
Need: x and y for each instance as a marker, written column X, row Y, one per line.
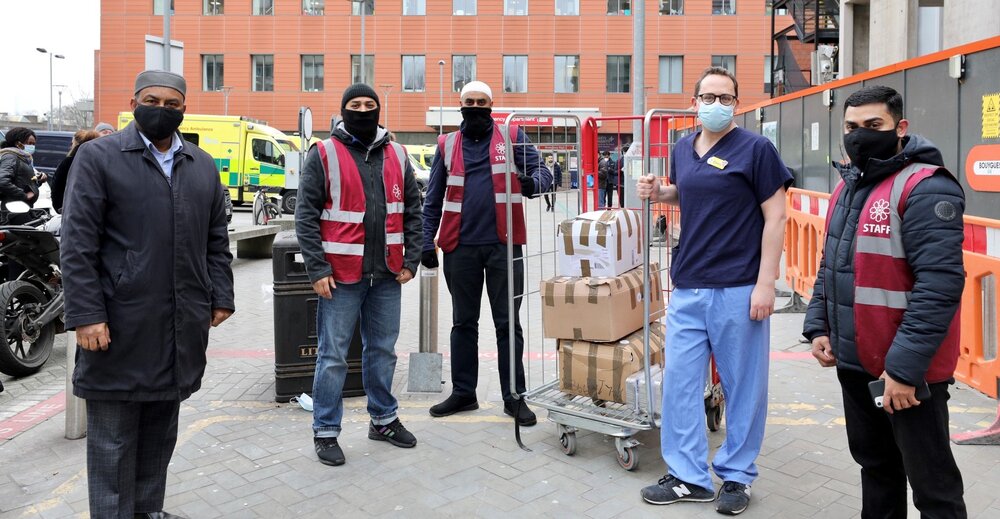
column 730, row 185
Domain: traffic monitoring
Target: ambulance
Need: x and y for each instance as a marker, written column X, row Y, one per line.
column 249, row 155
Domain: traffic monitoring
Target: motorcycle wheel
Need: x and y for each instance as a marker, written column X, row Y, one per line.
column 24, row 350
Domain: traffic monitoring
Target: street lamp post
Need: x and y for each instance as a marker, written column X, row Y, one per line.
column 51, row 55
column 440, row 97
column 386, row 90
column 225, row 96
column 60, row 87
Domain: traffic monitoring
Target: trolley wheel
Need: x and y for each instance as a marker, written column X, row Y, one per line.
column 567, row 441
column 714, row 417
column 629, row 458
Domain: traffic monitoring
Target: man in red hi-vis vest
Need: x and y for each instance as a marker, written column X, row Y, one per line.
column 358, row 224
column 467, row 197
column 885, row 307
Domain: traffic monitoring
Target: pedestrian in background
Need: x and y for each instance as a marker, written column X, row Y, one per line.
column 467, row 197
column 58, row 183
column 886, row 306
column 358, row 224
column 103, row 129
column 17, row 171
column 603, row 172
column 146, row 268
column 556, row 170
column 730, row 185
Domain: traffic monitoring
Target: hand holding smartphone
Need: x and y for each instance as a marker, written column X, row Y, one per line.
column 877, row 390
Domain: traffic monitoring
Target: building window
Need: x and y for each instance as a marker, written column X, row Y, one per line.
column 263, row 72
column 463, row 70
column 263, row 8
column 515, row 74
column 567, row 7
column 723, row 6
column 671, row 74
column 413, row 74
column 769, row 9
column 619, row 74
column 620, row 7
column 312, row 72
column 515, row 7
column 463, row 7
column 314, row 7
column 726, row 62
column 356, row 69
column 213, row 7
column 211, row 72
column 356, row 8
column 414, row 7
column 567, row 74
column 671, row 7
column 158, row 8
column 768, row 72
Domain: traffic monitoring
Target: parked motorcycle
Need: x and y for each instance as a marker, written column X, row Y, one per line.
column 31, row 304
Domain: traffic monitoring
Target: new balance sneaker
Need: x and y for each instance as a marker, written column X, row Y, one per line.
column 669, row 490
column 393, row 433
column 329, row 451
column 733, row 498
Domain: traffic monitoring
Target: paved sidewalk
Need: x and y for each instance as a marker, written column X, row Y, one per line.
column 242, row 455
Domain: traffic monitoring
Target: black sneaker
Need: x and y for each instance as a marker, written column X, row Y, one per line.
column 454, row 404
column 329, row 451
column 393, row 433
column 519, row 410
column 669, row 490
column 733, row 498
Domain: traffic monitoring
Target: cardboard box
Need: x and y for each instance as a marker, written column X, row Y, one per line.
column 598, row 308
column 635, row 390
column 605, row 243
column 599, row 370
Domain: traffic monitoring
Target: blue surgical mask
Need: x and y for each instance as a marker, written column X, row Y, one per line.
column 304, row 401
column 29, row 149
column 716, row 116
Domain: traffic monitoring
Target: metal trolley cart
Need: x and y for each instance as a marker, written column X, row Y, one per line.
column 660, row 129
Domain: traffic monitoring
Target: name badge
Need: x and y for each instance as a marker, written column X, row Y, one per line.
column 717, row 162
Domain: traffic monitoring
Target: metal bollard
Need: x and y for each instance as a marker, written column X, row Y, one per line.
column 425, row 365
column 76, row 408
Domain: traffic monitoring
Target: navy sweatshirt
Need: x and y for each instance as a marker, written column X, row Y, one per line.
column 479, row 226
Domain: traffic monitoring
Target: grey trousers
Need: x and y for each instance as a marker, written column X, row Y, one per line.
column 129, row 445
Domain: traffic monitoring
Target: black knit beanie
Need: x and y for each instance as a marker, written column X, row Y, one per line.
column 359, row 90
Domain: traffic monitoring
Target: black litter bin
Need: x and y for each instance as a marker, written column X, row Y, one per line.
column 295, row 337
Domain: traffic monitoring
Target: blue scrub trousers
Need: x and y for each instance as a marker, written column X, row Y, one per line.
column 703, row 322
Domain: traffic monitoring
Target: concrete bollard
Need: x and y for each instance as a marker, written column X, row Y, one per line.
column 76, row 408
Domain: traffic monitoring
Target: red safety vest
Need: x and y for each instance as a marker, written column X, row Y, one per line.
column 341, row 223
column 883, row 278
column 451, row 214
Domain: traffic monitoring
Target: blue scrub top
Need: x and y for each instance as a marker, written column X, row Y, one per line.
column 720, row 198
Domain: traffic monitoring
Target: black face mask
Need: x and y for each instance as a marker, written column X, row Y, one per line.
column 158, row 122
column 478, row 121
column 865, row 143
column 362, row 125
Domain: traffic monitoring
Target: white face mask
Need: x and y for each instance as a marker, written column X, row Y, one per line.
column 29, row 149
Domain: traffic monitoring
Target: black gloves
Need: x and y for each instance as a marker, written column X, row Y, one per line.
column 527, row 186
column 429, row 259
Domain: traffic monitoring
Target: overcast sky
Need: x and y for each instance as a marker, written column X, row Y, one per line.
column 68, row 27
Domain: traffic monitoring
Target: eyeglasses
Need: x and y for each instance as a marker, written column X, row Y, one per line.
column 476, row 102
column 708, row 99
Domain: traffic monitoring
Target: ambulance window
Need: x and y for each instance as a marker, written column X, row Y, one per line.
column 191, row 137
column 264, row 151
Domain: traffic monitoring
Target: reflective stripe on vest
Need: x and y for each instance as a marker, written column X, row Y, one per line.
column 451, row 215
column 342, row 219
column 883, row 279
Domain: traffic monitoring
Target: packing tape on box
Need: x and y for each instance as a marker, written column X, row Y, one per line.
column 585, row 268
column 550, row 294
column 585, row 233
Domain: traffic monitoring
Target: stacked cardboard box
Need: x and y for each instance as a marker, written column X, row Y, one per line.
column 595, row 307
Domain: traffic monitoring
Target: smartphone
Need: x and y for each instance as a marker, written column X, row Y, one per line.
column 877, row 390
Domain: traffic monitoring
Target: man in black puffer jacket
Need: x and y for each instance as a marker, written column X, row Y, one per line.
column 885, row 305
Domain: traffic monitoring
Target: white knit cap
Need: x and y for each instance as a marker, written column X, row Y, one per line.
column 477, row 86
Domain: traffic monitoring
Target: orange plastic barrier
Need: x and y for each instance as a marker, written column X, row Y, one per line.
column 978, row 362
column 804, row 230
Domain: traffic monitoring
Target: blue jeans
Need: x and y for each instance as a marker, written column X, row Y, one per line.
column 377, row 304
column 703, row 322
column 602, row 194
